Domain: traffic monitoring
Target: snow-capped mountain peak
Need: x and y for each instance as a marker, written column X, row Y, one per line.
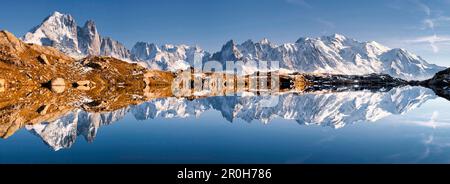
column 57, row 30
column 338, row 36
column 265, row 41
column 335, row 54
column 229, row 52
column 144, row 51
column 62, row 32
column 166, row 57
column 111, row 47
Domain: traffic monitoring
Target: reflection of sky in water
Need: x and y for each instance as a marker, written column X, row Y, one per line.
column 420, row 135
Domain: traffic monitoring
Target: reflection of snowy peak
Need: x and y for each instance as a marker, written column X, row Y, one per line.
column 335, row 109
column 63, row 132
column 58, row 134
column 170, row 108
column 332, row 54
column 327, row 109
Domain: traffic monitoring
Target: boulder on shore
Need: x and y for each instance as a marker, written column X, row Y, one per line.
column 43, row 109
column 2, row 85
column 43, row 59
column 84, row 85
column 58, row 85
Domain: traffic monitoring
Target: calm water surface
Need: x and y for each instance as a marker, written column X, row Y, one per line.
column 403, row 125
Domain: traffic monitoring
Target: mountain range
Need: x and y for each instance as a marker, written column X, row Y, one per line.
column 334, row 54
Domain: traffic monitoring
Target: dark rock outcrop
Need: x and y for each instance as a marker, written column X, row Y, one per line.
column 439, row 83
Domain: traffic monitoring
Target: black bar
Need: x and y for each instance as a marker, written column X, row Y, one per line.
column 278, row 173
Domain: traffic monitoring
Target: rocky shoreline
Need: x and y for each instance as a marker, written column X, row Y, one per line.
column 40, row 83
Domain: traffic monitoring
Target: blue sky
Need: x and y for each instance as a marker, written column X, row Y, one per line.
column 422, row 27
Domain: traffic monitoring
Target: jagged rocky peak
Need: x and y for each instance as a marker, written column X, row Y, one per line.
column 111, row 47
column 167, row 57
column 264, row 41
column 337, row 36
column 61, row 32
column 142, row 51
column 58, row 30
column 374, row 49
column 403, row 54
column 249, row 42
column 338, row 41
column 229, row 52
column 334, row 54
column 89, row 39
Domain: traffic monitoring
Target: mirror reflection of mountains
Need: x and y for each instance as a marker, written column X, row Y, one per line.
column 326, row 109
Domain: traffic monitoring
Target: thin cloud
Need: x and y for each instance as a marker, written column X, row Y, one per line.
column 326, row 23
column 432, row 17
column 432, row 121
column 302, row 3
column 423, row 7
column 431, row 23
column 434, row 41
column 410, row 5
column 433, row 145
